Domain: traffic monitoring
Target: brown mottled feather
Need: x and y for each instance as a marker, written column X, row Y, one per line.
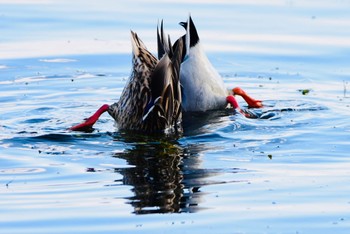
column 151, row 100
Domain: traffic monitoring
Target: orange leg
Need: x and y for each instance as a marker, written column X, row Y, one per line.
column 233, row 102
column 250, row 101
column 89, row 122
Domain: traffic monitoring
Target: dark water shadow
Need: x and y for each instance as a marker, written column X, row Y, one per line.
column 167, row 177
column 193, row 122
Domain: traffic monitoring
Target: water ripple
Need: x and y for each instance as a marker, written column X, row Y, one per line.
column 14, row 171
column 285, row 171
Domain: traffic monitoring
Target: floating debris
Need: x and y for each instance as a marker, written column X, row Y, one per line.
column 304, row 91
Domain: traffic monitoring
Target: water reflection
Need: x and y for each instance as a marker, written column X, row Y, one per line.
column 166, row 177
column 158, row 179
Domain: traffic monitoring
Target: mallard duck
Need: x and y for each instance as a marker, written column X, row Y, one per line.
column 203, row 87
column 151, row 100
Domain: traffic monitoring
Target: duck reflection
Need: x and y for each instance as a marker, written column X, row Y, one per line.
column 166, row 176
column 159, row 178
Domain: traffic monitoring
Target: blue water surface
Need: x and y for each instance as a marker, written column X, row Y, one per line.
column 286, row 172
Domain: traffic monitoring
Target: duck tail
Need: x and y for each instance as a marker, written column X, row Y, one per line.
column 136, row 44
column 177, row 55
column 164, row 45
column 165, row 109
column 176, row 60
column 191, row 37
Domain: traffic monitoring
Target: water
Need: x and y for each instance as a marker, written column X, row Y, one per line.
column 285, row 173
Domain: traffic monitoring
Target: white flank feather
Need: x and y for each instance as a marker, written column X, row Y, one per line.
column 203, row 88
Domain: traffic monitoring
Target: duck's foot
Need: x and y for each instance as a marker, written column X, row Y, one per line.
column 89, row 122
column 253, row 103
column 233, row 102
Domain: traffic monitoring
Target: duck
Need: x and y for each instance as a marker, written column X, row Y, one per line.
column 182, row 79
column 151, row 99
column 203, row 87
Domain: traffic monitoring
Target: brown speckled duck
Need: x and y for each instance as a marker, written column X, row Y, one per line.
column 151, row 99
